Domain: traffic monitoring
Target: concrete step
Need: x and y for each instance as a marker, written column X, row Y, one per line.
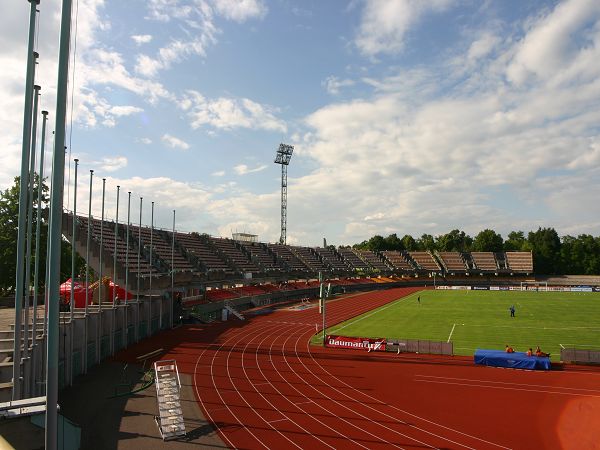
column 10, row 334
column 6, row 392
column 6, row 372
column 6, row 355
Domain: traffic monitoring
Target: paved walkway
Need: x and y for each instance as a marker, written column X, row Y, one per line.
column 125, row 422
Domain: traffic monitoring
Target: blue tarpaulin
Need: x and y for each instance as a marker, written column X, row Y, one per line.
column 516, row 360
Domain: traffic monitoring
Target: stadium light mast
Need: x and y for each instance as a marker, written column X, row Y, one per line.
column 283, row 157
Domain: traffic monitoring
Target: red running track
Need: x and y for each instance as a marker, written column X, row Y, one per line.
column 263, row 386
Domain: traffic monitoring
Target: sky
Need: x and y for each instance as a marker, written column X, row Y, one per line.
column 407, row 116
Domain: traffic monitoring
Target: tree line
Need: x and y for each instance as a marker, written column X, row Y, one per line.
column 552, row 254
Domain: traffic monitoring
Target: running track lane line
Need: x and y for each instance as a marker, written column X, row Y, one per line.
column 398, row 409
column 286, row 417
column 204, row 406
column 328, row 412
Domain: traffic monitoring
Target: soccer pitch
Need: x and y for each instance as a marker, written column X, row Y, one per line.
column 481, row 319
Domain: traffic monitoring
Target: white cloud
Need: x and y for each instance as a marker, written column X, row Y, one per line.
column 240, row 10
column 174, row 142
column 384, row 23
column 229, row 113
column 333, row 84
column 113, row 164
column 218, row 173
column 145, row 141
column 553, row 44
column 243, row 169
column 140, row 39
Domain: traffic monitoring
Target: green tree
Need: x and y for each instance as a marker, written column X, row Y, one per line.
column 409, row 243
column 9, row 216
column 545, row 244
column 426, row 242
column 516, row 242
column 393, row 242
column 488, row 241
column 454, row 241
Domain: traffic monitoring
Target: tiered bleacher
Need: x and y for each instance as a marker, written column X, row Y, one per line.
column 425, row 261
column 161, row 248
column 262, row 256
column 108, row 243
column 331, row 259
column 484, row 261
column 372, row 259
column 284, row 253
column 398, row 260
column 308, row 257
column 227, row 259
column 352, row 259
column 453, row 262
column 521, row 262
column 197, row 247
column 236, row 255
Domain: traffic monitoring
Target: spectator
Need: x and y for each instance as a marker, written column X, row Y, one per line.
column 540, row 353
column 509, row 349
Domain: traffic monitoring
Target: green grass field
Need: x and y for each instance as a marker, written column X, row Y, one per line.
column 481, row 319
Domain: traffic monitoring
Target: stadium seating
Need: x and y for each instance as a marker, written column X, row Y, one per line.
column 352, row 259
column 373, row 260
column 108, row 243
column 521, row 262
column 284, row 253
column 161, row 248
column 310, row 258
column 236, row 255
column 484, row 261
column 398, row 260
column 425, row 261
column 262, row 256
column 453, row 262
column 195, row 246
column 331, row 259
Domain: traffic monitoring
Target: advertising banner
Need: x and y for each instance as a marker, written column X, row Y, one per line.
column 362, row 343
column 481, row 288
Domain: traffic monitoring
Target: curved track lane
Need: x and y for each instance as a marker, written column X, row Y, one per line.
column 262, row 386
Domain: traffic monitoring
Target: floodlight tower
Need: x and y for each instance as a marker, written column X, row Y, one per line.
column 284, row 154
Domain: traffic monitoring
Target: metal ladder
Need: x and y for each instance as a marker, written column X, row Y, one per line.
column 170, row 419
column 233, row 311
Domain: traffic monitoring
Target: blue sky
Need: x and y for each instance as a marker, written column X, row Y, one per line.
column 407, row 116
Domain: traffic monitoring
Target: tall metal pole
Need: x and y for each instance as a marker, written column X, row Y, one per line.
column 87, row 275
column 126, row 324
column 100, row 275
column 74, row 230
column 283, row 237
column 73, row 257
column 30, row 205
column 172, row 273
column 321, row 294
column 56, row 206
column 38, row 233
column 160, row 300
column 114, row 277
column 26, row 145
column 137, row 296
column 150, row 283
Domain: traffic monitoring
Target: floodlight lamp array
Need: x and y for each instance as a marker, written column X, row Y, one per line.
column 284, row 154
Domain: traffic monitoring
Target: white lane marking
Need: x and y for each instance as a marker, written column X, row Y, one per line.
column 450, row 337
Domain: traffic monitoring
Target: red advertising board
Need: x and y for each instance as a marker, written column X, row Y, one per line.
column 361, row 343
